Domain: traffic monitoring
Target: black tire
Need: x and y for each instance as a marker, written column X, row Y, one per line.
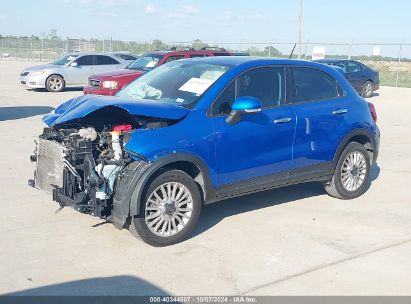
column 367, row 89
column 336, row 187
column 139, row 227
column 55, row 83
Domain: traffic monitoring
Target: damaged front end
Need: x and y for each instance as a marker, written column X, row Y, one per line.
column 80, row 157
column 80, row 166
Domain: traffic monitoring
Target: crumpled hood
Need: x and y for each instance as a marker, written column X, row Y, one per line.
column 80, row 107
column 118, row 73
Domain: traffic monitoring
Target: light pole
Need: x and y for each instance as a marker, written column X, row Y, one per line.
column 300, row 19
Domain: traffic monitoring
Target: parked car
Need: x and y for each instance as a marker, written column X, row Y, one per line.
column 71, row 70
column 364, row 79
column 193, row 132
column 112, row 82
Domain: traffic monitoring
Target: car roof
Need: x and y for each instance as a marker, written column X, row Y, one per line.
column 89, row 53
column 238, row 60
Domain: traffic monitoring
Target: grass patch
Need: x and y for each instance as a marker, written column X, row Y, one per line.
column 389, row 79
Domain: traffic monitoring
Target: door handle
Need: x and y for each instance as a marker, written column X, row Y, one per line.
column 282, row 120
column 340, row 112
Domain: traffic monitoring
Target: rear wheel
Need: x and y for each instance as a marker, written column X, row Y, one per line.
column 170, row 209
column 367, row 89
column 352, row 173
column 55, row 83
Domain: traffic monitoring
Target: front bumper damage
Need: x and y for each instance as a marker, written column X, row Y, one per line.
column 71, row 175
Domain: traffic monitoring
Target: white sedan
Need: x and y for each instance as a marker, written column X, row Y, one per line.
column 71, row 70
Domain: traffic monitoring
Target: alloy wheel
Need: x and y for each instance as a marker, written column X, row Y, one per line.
column 353, row 171
column 168, row 209
column 368, row 89
column 55, row 83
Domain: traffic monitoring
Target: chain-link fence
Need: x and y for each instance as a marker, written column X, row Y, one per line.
column 393, row 61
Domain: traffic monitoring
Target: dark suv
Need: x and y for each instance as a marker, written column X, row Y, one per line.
column 196, row 131
column 364, row 79
column 112, row 82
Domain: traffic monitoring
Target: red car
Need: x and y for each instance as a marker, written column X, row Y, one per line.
column 112, row 82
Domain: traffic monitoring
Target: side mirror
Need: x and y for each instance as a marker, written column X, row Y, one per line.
column 347, row 75
column 241, row 106
column 73, row 64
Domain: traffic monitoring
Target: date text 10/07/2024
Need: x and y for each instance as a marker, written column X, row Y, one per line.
column 203, row 299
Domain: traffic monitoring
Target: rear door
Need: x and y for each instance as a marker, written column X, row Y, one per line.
column 104, row 64
column 78, row 75
column 260, row 145
column 323, row 113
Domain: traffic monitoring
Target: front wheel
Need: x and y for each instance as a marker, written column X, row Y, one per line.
column 352, row 173
column 55, row 83
column 170, row 209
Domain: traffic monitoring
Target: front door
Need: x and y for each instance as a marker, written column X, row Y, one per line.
column 260, row 145
column 78, row 75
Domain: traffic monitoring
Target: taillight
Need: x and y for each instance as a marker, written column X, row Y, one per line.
column 373, row 111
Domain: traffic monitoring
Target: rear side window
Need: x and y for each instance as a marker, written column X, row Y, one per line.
column 354, row 67
column 342, row 65
column 312, row 85
column 266, row 84
column 103, row 60
column 85, row 60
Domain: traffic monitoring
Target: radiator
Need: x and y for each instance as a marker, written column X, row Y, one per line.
column 49, row 171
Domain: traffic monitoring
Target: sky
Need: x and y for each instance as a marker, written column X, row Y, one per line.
column 345, row 21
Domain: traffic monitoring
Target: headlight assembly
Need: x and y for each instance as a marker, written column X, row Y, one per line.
column 37, row 73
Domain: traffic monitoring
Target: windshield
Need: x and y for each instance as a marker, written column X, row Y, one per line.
column 145, row 63
column 65, row 59
column 181, row 82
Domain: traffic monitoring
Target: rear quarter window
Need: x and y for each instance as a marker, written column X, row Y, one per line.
column 312, row 85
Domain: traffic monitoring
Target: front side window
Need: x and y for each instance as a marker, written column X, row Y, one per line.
column 181, row 82
column 146, row 62
column 266, row 84
column 104, row 60
column 85, row 60
column 312, row 85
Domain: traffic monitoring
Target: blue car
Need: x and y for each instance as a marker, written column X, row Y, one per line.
column 364, row 79
column 197, row 131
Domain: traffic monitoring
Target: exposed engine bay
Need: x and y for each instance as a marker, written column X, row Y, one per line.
column 81, row 162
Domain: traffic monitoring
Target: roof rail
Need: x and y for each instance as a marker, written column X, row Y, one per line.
column 174, row 48
column 214, row 48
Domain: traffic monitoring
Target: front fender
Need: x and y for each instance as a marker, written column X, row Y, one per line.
column 132, row 183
